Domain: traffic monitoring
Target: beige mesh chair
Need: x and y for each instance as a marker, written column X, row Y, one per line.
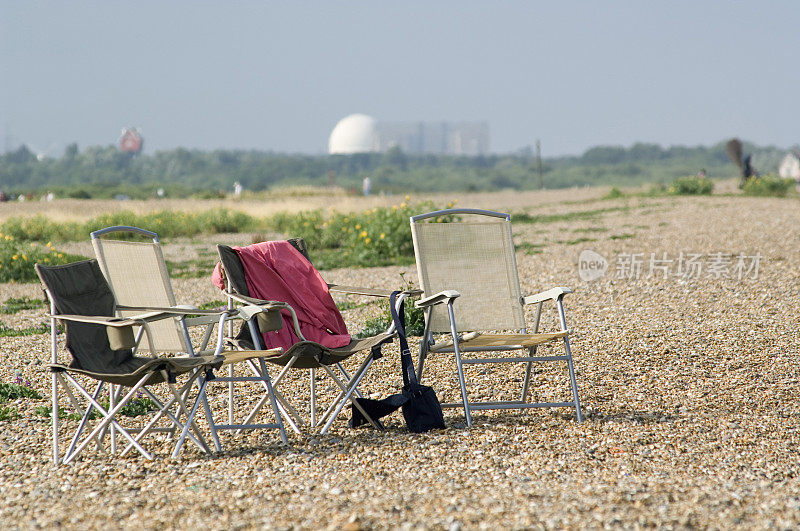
column 138, row 276
column 469, row 260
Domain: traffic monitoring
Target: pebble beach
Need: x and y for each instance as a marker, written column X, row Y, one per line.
column 686, row 351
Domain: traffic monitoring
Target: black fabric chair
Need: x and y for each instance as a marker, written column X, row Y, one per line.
column 102, row 349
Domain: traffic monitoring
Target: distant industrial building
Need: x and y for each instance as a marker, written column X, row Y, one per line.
column 359, row 133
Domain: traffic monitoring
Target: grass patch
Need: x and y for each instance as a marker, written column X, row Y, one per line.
column 15, row 391
column 8, row 413
column 13, row 305
column 576, row 241
column 614, row 193
column 46, row 412
column 591, row 229
column 344, row 305
column 18, row 332
column 214, row 305
column 137, row 407
column 530, row 248
column 624, row 236
column 196, row 268
column 691, row 185
column 768, row 186
column 524, row 217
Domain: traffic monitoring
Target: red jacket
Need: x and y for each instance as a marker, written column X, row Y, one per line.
column 276, row 271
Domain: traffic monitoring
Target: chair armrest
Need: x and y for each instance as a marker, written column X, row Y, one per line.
column 251, row 310
column 116, row 322
column 551, row 294
column 355, row 290
column 251, row 301
column 172, row 310
column 439, row 298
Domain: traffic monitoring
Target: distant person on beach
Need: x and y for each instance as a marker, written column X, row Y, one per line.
column 366, row 186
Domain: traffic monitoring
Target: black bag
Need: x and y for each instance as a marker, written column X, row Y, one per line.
column 421, row 408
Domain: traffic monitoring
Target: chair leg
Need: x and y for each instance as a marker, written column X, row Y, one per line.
column 573, row 382
column 459, row 366
column 231, row 398
column 111, row 430
column 424, row 344
column 273, row 401
column 266, row 382
column 526, row 383
column 200, row 397
column 109, row 418
column 197, row 437
column 54, row 413
column 84, row 419
column 313, row 386
column 261, row 402
column 290, row 413
column 359, row 375
column 346, row 391
column 210, row 418
column 347, row 377
column 531, row 353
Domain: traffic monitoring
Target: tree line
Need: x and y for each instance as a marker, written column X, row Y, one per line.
column 106, row 171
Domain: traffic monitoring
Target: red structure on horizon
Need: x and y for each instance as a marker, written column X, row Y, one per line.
column 131, row 140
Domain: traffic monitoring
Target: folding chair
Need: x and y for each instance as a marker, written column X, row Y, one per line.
column 468, row 255
column 102, row 348
column 138, row 276
column 307, row 354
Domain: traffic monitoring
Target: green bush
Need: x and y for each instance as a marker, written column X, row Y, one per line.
column 17, row 258
column 415, row 322
column 414, row 317
column 691, row 186
column 767, row 186
column 377, row 237
column 167, row 223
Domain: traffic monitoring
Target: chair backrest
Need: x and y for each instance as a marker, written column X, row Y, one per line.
column 138, row 276
column 234, row 270
column 472, row 252
column 81, row 289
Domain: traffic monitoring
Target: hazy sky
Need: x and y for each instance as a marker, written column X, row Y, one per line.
column 279, row 75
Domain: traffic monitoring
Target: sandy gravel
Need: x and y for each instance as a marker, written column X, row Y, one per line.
column 690, row 387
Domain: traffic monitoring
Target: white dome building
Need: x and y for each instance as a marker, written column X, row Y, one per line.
column 353, row 134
